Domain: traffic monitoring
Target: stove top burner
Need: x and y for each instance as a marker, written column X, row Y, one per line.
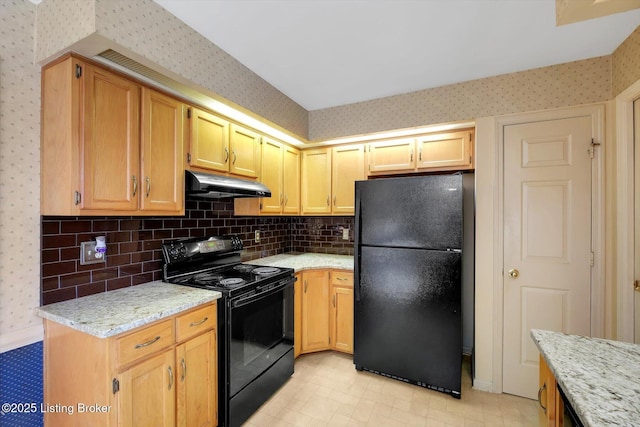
column 231, row 281
column 207, row 278
column 263, row 271
column 245, row 268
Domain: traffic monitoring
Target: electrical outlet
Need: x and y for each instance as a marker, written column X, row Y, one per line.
column 257, row 236
column 345, row 234
column 88, row 254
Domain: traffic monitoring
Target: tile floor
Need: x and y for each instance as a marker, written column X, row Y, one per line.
column 326, row 390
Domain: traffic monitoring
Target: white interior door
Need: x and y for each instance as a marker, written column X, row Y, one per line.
column 547, row 240
column 636, row 137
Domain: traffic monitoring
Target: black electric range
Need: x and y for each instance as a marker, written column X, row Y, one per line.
column 255, row 319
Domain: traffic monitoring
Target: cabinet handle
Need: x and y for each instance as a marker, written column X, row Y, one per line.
column 420, row 154
column 148, row 186
column 170, row 377
column 184, row 369
column 199, row 323
column 281, row 199
column 334, row 300
column 235, row 157
column 135, row 185
column 226, row 154
column 411, row 160
column 328, row 200
column 334, row 200
column 286, row 199
column 305, row 286
column 148, row 343
column 341, row 278
column 540, row 390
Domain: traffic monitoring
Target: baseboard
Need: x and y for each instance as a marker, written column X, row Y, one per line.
column 483, row 385
column 20, row 338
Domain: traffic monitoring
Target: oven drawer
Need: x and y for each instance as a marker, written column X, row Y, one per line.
column 195, row 322
column 144, row 342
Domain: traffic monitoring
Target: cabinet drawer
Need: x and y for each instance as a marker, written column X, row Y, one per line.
column 342, row 278
column 194, row 322
column 145, row 342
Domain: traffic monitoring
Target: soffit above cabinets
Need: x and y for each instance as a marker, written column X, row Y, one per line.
column 570, row 11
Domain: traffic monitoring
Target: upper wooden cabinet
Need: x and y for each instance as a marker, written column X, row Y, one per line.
column 280, row 172
column 328, row 179
column 209, row 141
column 109, row 146
column 245, row 151
column 347, row 167
column 316, row 181
column 442, row 151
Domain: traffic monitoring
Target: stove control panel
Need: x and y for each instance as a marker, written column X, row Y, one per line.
column 181, row 250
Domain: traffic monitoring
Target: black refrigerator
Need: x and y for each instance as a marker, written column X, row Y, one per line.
column 408, row 280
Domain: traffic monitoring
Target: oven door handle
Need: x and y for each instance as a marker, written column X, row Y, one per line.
column 254, row 297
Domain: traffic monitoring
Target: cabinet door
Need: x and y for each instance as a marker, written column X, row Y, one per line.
column 342, row 318
column 291, row 180
column 271, row 175
column 162, row 169
column 392, row 156
column 315, row 310
column 196, row 378
column 111, row 141
column 347, row 168
column 446, row 151
column 147, row 393
column 316, row 181
column 548, row 397
column 209, row 141
column 245, row 151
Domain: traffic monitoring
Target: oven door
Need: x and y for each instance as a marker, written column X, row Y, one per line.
column 261, row 332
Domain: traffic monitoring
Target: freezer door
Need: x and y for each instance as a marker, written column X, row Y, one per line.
column 408, row 316
column 412, row 212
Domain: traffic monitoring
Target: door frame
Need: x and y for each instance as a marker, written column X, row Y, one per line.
column 624, row 262
column 597, row 114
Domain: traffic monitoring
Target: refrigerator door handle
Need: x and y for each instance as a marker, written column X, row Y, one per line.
column 356, row 255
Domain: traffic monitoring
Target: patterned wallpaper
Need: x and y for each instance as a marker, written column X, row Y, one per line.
column 626, row 63
column 19, row 171
column 573, row 83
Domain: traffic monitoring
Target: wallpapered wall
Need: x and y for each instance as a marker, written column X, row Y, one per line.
column 144, row 28
column 19, row 173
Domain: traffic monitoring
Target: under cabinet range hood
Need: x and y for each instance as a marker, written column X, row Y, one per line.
column 199, row 184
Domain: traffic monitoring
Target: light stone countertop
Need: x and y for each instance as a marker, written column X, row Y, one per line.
column 306, row 261
column 601, row 378
column 107, row 314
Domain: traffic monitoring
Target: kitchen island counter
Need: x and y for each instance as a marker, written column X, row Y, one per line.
column 111, row 313
column 600, row 378
column 307, row 261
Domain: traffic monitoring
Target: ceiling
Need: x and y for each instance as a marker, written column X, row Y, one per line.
column 324, row 53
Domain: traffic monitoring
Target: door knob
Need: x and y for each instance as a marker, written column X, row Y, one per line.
column 513, row 273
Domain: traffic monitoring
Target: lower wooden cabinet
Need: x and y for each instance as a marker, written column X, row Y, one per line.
column 323, row 312
column 341, row 310
column 315, row 310
column 162, row 374
column 550, row 406
column 147, row 396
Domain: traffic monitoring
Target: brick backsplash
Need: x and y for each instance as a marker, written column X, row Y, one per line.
column 134, row 244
